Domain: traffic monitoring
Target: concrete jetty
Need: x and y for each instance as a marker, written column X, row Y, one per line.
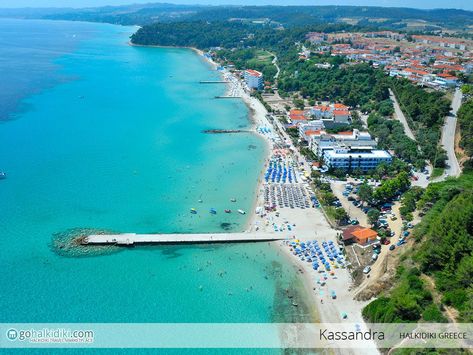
column 227, row 97
column 214, row 82
column 208, row 238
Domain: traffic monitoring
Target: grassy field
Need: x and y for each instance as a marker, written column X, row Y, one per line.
column 261, row 57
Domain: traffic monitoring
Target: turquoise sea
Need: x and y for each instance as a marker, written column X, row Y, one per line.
column 106, row 136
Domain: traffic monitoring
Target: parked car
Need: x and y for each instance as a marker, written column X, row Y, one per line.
column 354, row 222
column 406, row 234
column 393, row 218
column 387, row 242
column 367, row 270
column 374, row 257
column 351, row 198
column 401, row 242
column 392, row 247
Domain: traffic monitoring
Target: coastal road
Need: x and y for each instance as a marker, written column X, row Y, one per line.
column 399, row 115
column 448, row 138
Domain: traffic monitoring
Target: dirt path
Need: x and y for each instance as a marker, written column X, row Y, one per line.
column 379, row 268
column 450, row 312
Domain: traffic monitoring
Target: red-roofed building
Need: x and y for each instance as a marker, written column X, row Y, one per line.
column 360, row 235
column 337, row 113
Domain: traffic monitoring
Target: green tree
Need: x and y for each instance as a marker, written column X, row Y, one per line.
column 365, row 193
column 373, row 215
column 340, row 215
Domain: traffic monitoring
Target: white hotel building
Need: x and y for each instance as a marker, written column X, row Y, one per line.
column 350, row 159
column 254, row 79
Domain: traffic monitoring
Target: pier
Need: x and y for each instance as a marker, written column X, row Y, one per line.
column 227, row 97
column 204, row 238
column 214, row 82
column 220, row 131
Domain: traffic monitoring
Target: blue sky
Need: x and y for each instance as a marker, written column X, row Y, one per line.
column 425, row 4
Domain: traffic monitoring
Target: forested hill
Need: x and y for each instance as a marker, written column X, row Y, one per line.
column 229, row 34
column 288, row 16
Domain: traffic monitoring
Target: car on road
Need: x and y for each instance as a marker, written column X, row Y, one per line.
column 367, row 270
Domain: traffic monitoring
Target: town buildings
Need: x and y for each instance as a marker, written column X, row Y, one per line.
column 433, row 61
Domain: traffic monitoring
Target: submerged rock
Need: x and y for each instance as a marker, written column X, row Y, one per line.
column 227, row 226
column 69, row 243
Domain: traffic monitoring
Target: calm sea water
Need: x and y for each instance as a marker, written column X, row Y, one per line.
column 107, row 136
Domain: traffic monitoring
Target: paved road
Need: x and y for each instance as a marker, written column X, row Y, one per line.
column 275, row 63
column 448, row 137
column 399, row 115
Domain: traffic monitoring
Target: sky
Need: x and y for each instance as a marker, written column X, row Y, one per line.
column 423, row 4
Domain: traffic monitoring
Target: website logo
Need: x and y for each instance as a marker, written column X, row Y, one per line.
column 12, row 334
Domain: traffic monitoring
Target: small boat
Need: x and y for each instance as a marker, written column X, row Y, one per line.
column 193, row 211
column 213, row 211
column 233, row 199
column 228, row 211
column 3, row 175
column 241, row 212
column 200, row 201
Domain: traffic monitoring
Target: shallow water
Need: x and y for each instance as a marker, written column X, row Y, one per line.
column 110, row 138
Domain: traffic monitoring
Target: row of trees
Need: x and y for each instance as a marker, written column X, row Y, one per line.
column 465, row 120
column 390, row 134
column 425, row 112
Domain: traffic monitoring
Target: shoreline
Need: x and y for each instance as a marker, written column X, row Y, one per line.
column 311, row 224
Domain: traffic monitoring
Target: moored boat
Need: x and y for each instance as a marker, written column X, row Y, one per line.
column 213, row 211
column 3, row 175
column 228, row 211
column 193, row 211
column 241, row 212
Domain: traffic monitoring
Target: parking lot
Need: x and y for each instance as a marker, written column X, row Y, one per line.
column 355, row 213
